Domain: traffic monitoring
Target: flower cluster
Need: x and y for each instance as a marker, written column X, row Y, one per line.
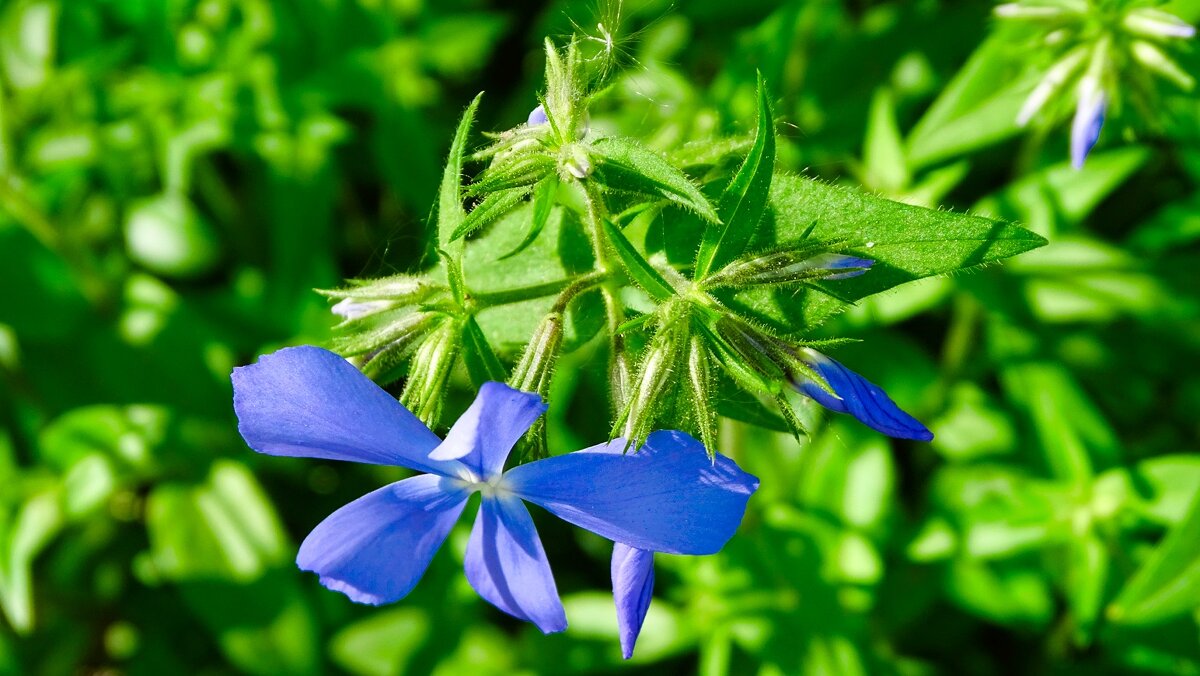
column 668, row 496
column 1098, row 47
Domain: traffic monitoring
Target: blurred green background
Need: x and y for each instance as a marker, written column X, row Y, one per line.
column 176, row 176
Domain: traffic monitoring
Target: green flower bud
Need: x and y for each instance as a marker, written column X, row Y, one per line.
column 657, row 374
column 367, row 297
column 533, row 371
column 700, row 384
column 787, row 267
column 425, row 390
column 1154, row 23
column 1156, row 60
column 574, row 163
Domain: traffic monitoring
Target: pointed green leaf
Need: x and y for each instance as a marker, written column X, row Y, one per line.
column 450, row 211
column 622, row 164
column 493, row 207
column 1168, row 583
column 979, row 107
column 454, row 276
column 907, row 243
column 745, row 198
column 885, row 165
column 636, row 266
column 544, row 195
column 482, row 363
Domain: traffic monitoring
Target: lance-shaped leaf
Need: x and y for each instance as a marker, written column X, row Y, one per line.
column 1168, row 583
column 977, row 108
column 450, row 211
column 492, row 208
column 906, row 243
column 636, row 266
column 544, row 194
column 745, row 198
column 624, row 165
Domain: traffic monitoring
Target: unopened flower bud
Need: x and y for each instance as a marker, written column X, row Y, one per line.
column 1153, row 23
column 364, row 298
column 656, row 375
column 1016, row 10
column 353, row 308
column 1089, row 118
column 430, row 370
column 788, row 267
column 370, row 337
column 384, row 348
column 537, row 117
column 1054, row 79
column 575, row 163
column 752, row 360
column 533, row 371
column 532, row 374
column 700, row 386
column 1156, row 60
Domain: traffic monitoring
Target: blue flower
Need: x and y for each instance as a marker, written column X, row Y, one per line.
column 309, row 402
column 1089, row 118
column 859, row 397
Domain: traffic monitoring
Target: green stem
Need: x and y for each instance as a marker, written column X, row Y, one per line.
column 571, row 287
column 619, row 370
column 960, row 338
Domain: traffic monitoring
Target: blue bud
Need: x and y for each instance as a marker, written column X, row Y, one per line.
column 538, row 117
column 1089, row 118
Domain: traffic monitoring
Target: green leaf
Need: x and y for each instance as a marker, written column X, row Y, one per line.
column 742, row 204
column 973, row 111
column 223, row 529
column 492, row 208
column 538, row 272
column 907, row 243
column 23, row 536
column 1168, row 583
column 382, row 643
column 1062, row 192
column 636, row 266
column 885, row 165
column 482, row 363
column 624, row 165
column 544, row 196
column 1087, row 568
column 450, row 211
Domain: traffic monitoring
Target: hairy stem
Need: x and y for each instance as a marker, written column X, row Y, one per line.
column 569, row 287
column 618, row 369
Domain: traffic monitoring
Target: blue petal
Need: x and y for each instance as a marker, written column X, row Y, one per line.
column 487, row 431
column 375, row 549
column 507, row 565
column 308, row 402
column 669, row 496
column 1085, row 128
column 633, row 587
column 861, row 399
column 853, row 265
column 537, row 116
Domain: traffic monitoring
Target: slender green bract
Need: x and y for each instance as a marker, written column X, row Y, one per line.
column 741, row 206
column 636, row 266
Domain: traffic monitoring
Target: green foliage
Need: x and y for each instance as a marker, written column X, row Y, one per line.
column 176, row 178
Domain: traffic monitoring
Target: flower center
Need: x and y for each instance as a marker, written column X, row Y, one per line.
column 495, row 487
